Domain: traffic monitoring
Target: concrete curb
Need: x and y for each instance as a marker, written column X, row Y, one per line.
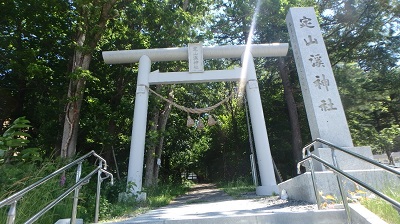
column 361, row 215
column 315, row 217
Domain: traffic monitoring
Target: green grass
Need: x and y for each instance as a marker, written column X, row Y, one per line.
column 156, row 197
column 165, row 193
column 382, row 208
column 16, row 177
column 237, row 188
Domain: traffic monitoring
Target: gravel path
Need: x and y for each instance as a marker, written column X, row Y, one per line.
column 288, row 205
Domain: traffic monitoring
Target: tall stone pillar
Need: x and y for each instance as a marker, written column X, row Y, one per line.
column 323, row 105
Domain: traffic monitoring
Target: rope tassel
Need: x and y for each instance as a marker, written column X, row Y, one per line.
column 189, row 122
column 211, row 121
column 200, row 124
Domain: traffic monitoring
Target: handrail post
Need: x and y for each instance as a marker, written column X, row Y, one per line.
column 11, row 213
column 311, row 164
column 336, row 169
column 13, row 199
column 341, row 189
column 253, row 170
column 99, row 180
column 76, row 194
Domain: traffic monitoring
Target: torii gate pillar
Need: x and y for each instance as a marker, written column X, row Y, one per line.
column 261, row 142
column 136, row 154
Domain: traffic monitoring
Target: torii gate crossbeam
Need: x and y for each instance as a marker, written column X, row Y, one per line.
column 181, row 53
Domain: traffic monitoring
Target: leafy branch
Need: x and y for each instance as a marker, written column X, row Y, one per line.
column 14, row 139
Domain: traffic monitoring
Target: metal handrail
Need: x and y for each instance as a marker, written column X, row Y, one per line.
column 335, row 168
column 101, row 168
column 366, row 159
column 361, row 183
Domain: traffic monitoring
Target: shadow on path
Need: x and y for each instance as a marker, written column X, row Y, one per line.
column 205, row 202
column 201, row 193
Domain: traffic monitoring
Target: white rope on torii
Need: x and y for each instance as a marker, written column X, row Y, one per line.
column 190, row 121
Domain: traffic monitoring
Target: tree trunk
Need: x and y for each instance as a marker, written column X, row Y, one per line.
column 235, row 141
column 113, row 128
column 392, row 109
column 75, row 95
column 389, row 155
column 153, row 153
column 94, row 21
column 151, row 149
column 293, row 114
column 162, row 125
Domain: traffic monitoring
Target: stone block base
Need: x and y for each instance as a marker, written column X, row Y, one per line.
column 267, row 190
column 346, row 161
column 301, row 188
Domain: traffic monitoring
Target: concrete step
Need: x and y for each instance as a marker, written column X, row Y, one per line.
column 315, row 217
column 68, row 221
column 240, row 211
column 255, row 211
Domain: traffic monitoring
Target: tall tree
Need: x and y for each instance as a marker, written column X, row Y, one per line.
column 34, row 54
column 363, row 43
column 297, row 142
column 270, row 27
column 174, row 23
column 91, row 21
column 155, row 148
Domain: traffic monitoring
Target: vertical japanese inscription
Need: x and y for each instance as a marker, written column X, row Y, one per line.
column 321, row 97
column 310, row 40
column 195, row 53
column 306, row 22
column 321, row 82
column 316, row 61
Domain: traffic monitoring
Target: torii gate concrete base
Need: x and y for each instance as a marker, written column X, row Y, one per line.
column 245, row 74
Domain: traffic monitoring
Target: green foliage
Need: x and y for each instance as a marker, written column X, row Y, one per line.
column 361, row 37
column 156, row 197
column 386, row 138
column 238, row 187
column 14, row 178
column 13, row 143
column 371, row 102
column 382, row 208
column 109, row 206
column 162, row 195
column 80, row 73
column 13, row 136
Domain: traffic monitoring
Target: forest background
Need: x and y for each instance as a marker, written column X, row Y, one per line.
column 52, row 74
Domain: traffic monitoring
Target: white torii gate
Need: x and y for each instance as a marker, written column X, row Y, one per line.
column 146, row 78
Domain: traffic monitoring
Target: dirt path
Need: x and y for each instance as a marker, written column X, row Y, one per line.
column 207, row 193
column 201, row 193
column 205, row 201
